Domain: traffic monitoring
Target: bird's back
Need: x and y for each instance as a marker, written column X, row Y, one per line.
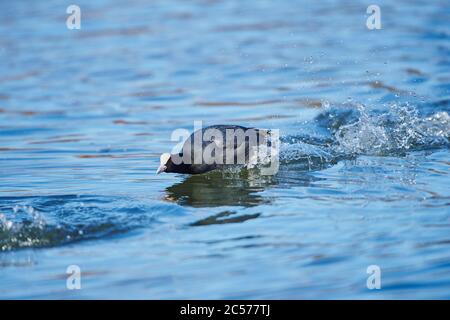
column 211, row 143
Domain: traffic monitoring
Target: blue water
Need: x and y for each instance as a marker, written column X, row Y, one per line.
column 364, row 174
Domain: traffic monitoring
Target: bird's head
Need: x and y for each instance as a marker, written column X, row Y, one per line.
column 164, row 163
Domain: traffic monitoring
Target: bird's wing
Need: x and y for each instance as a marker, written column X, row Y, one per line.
column 222, row 141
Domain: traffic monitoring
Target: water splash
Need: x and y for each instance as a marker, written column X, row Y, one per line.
column 354, row 132
column 312, row 156
column 22, row 228
column 394, row 132
column 55, row 220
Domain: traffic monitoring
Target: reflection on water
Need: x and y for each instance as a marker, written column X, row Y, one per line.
column 224, row 217
column 217, row 189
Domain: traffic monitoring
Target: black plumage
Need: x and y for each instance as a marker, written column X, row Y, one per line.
column 221, row 143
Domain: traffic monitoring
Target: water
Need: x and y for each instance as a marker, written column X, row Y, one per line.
column 364, row 121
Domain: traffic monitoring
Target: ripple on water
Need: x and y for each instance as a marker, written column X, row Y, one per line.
column 55, row 220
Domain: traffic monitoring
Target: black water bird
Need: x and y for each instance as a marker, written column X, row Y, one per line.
column 215, row 147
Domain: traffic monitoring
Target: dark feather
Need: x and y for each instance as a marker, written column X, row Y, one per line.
column 221, row 143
